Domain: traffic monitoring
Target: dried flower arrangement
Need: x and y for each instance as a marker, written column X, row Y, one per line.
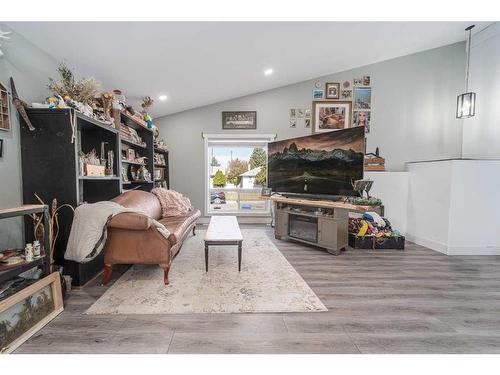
column 53, row 224
column 82, row 90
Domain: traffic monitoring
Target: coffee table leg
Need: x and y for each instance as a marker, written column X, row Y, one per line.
column 239, row 257
column 206, row 257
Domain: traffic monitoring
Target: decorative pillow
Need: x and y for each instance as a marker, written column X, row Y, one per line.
column 172, row 202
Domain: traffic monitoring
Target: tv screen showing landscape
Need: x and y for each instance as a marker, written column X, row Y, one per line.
column 319, row 164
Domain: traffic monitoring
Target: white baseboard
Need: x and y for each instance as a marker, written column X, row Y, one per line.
column 433, row 245
column 453, row 250
column 468, row 250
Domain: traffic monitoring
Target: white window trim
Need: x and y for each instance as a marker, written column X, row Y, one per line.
column 228, row 138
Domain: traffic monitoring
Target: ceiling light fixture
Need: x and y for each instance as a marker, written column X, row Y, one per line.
column 163, row 97
column 268, row 72
column 466, row 103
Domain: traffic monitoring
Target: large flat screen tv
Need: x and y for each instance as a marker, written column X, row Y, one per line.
column 323, row 164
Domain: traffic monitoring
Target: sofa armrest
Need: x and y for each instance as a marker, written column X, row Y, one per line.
column 130, row 220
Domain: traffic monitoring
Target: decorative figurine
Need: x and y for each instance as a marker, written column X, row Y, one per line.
column 28, row 253
column 149, row 121
column 120, row 101
column 36, row 249
column 110, row 162
column 107, row 104
column 146, row 103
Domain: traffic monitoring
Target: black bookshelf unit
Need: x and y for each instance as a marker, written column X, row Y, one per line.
column 51, row 169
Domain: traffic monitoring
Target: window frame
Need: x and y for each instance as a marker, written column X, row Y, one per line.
column 230, row 139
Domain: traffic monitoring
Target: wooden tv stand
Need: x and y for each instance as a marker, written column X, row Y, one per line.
column 320, row 223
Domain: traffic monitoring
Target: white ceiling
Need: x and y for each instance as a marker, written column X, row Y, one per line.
column 197, row 63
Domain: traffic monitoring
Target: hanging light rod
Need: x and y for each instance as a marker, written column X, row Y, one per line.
column 466, row 102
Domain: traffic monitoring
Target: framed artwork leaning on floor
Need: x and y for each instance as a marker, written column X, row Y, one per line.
column 26, row 312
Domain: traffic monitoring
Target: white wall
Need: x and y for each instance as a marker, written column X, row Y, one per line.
column 429, row 204
column 30, row 67
column 453, row 206
column 392, row 188
column 482, row 133
column 413, row 115
column 474, row 210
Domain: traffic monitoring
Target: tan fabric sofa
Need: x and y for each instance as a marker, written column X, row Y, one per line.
column 133, row 240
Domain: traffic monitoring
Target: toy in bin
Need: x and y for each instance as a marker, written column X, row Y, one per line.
column 371, row 231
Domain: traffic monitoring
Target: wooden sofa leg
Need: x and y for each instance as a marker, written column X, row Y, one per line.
column 166, row 268
column 194, row 228
column 108, row 270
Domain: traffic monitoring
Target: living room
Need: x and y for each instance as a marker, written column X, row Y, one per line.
column 249, row 187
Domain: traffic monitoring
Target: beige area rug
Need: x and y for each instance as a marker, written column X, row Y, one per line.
column 266, row 283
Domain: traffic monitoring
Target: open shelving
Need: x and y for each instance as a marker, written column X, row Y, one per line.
column 133, row 144
column 165, row 180
column 146, row 150
column 132, row 162
column 8, row 272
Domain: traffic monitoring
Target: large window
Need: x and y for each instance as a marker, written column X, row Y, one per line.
column 236, row 172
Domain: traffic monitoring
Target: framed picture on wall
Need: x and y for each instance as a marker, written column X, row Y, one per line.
column 362, row 118
column 329, row 115
column 332, row 90
column 346, row 94
column 363, row 98
column 239, row 120
column 318, row 94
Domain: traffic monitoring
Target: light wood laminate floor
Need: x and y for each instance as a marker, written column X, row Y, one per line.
column 384, row 301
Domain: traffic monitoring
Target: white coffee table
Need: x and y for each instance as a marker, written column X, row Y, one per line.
column 223, row 230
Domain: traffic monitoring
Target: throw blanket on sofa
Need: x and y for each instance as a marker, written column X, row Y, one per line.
column 89, row 229
column 172, row 202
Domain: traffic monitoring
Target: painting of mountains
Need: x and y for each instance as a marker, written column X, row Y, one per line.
column 320, row 164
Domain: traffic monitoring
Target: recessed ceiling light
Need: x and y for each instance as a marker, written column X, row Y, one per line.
column 163, row 97
column 268, row 72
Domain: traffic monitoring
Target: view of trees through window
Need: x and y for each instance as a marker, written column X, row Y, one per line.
column 237, row 175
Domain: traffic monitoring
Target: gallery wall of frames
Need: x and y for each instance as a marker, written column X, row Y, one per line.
column 336, row 106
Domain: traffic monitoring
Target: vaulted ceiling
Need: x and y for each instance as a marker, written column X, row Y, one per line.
column 199, row 63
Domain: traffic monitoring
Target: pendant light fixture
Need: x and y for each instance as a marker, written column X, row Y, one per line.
column 466, row 103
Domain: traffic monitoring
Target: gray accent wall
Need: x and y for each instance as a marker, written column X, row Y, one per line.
column 30, row 67
column 413, row 115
